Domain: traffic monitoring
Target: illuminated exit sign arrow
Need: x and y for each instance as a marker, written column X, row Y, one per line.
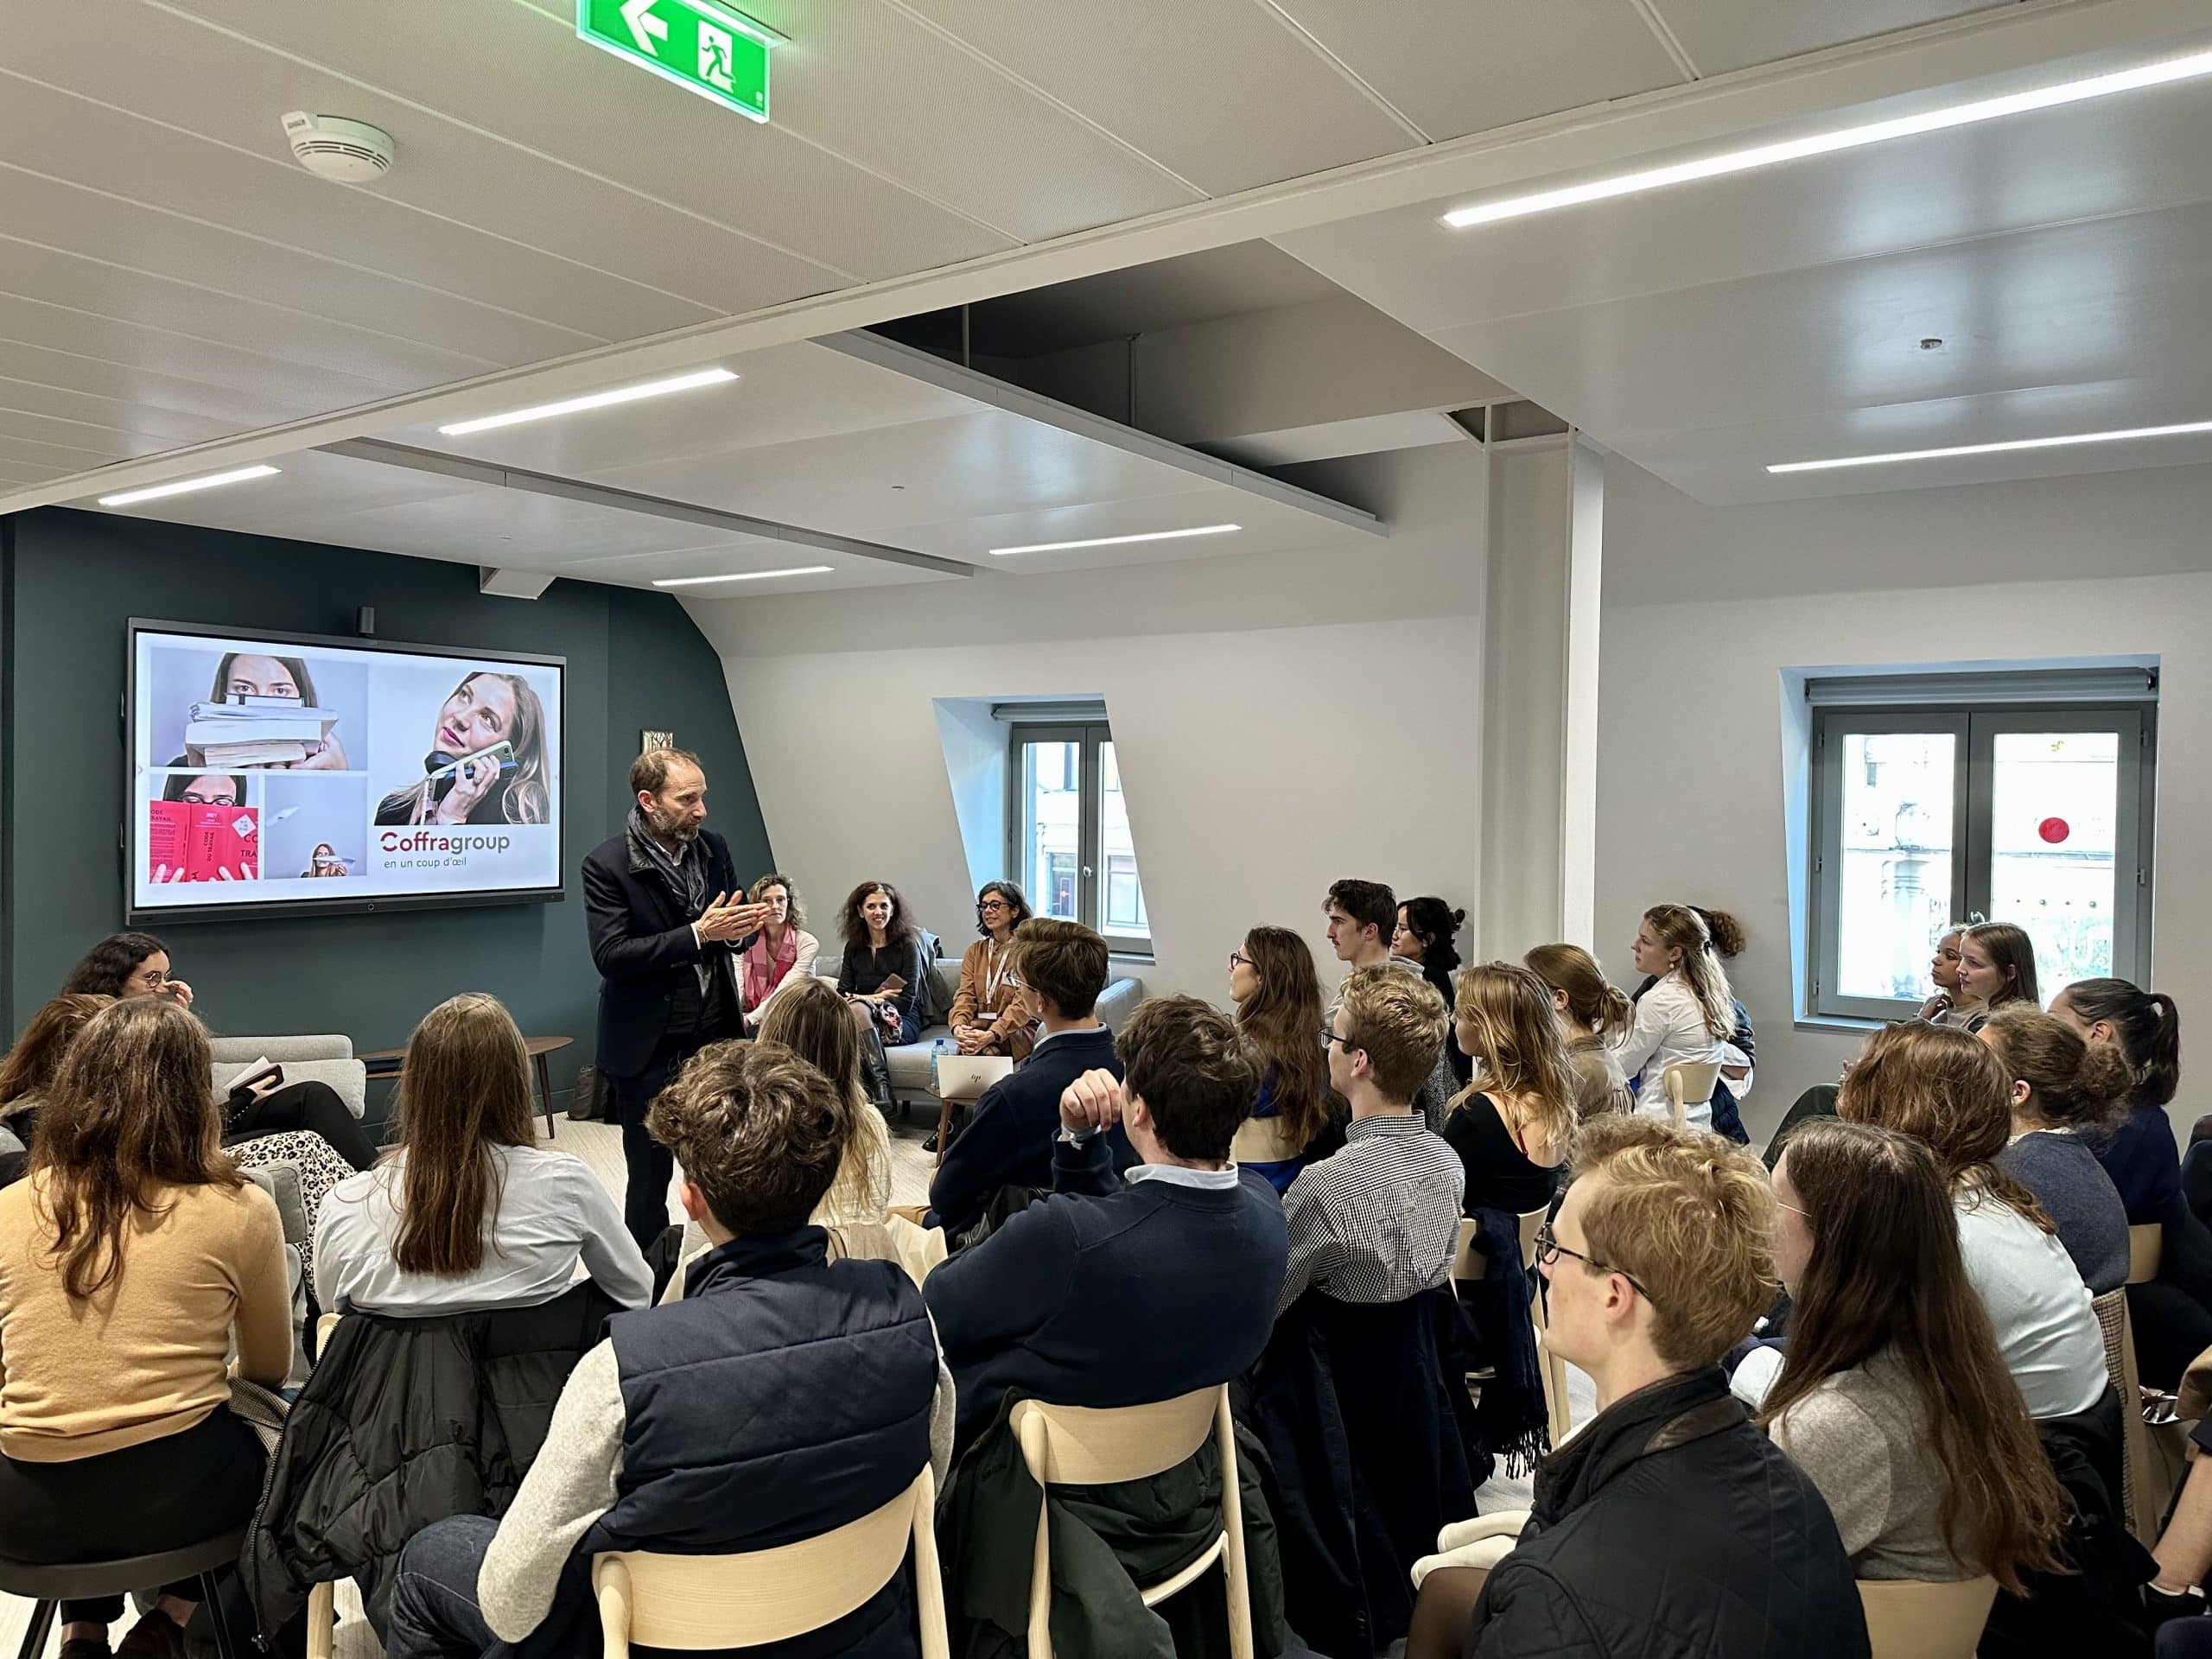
column 703, row 48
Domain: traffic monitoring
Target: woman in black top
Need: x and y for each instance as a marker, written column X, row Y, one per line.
column 881, row 975
column 1513, row 1133
column 1427, row 927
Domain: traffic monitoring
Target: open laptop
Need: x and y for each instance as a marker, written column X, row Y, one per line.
column 964, row 1077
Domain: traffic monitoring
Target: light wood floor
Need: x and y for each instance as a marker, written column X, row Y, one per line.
column 600, row 1145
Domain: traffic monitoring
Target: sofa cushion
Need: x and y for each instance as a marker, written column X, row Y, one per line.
column 328, row 1045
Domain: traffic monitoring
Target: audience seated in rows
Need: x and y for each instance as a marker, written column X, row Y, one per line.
column 2173, row 1313
column 1125, row 1287
column 1362, row 919
column 1892, row 1396
column 132, row 1258
column 1688, row 1014
column 2066, row 1098
column 1004, row 1155
column 137, row 964
column 27, row 1074
column 468, row 1212
column 988, row 1016
column 1277, row 996
column 781, row 954
column 646, row 1451
column 1426, row 936
column 1594, row 1018
column 1669, row 1524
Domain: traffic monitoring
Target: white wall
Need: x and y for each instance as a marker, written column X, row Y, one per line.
column 1693, row 775
column 1280, row 721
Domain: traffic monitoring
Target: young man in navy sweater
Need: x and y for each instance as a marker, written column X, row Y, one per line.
column 1061, row 967
column 1124, row 1289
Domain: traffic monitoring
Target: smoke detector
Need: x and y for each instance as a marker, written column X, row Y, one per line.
column 331, row 146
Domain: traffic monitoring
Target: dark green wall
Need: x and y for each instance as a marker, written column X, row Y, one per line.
column 68, row 584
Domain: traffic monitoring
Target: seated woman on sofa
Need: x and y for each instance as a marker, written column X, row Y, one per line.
column 132, row 1259
column 781, row 954
column 468, row 1213
column 883, row 972
column 137, row 964
column 988, row 1016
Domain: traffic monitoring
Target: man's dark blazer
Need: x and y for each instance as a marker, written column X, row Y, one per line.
column 642, row 945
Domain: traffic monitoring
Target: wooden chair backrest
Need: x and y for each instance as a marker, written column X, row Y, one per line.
column 1907, row 1618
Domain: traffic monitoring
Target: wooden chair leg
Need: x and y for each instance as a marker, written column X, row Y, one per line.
column 545, row 1095
column 943, row 1128
column 323, row 1620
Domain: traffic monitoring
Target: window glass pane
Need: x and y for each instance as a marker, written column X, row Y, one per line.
column 1050, row 815
column 2054, row 801
column 1124, row 896
column 1894, row 888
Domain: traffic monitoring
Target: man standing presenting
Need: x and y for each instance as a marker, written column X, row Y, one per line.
column 665, row 937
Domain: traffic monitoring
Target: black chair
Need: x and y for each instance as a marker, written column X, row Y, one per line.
column 49, row 1586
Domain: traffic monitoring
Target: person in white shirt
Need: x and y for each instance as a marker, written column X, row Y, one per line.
column 468, row 1213
column 1688, row 1015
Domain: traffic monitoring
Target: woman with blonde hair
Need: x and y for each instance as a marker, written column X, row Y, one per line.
column 133, row 1260
column 1512, row 1131
column 1594, row 1014
column 782, row 953
column 1278, row 996
column 810, row 1020
column 468, row 1213
column 466, row 785
column 1689, row 1013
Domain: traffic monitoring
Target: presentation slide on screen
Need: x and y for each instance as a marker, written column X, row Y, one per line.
column 266, row 772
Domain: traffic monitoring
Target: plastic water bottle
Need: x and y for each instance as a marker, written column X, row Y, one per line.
column 938, row 1049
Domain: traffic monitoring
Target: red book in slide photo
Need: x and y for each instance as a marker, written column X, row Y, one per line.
column 200, row 841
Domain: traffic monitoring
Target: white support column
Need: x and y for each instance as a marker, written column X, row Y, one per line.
column 1540, row 704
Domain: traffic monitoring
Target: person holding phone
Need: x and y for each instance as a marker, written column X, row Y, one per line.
column 486, row 763
column 882, row 973
column 669, row 928
column 137, row 964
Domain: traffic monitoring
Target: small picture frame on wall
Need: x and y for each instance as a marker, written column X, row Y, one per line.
column 648, row 741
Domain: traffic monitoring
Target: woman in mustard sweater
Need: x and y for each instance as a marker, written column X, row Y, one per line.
column 127, row 1258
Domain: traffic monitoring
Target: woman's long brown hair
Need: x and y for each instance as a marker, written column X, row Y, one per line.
column 1885, row 1277
column 464, row 1089
column 1597, row 1004
column 1946, row 1089
column 131, row 1117
column 1282, row 1022
column 2073, row 1084
column 27, row 1074
column 808, row 1018
column 1518, row 1047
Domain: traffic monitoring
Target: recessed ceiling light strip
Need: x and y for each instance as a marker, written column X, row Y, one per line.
column 186, row 486
column 742, row 575
column 590, row 400
column 1116, row 541
column 2161, row 73
column 2123, row 436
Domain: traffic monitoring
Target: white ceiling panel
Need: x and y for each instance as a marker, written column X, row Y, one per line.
column 1223, row 92
column 105, row 414
column 54, row 460
column 1457, row 67
column 129, row 382
column 1724, row 35
column 76, row 437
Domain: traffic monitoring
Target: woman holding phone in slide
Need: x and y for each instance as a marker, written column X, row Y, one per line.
column 467, row 783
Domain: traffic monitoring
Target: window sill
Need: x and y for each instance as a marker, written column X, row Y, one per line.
column 1842, row 1023
column 1130, row 959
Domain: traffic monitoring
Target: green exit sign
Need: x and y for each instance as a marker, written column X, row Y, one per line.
column 703, row 48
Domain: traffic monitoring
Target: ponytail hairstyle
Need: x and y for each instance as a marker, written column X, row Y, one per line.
column 1281, row 1021
column 2146, row 1028
column 1680, row 928
column 1593, row 1002
column 1727, row 932
column 1885, row 1277
column 1947, row 1087
column 2013, row 953
column 2073, row 1084
column 1435, row 923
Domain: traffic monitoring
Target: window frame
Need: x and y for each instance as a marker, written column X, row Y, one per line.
column 1088, row 734
column 1975, row 726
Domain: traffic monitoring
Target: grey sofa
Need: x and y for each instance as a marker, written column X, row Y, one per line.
column 325, row 1058
column 909, row 1062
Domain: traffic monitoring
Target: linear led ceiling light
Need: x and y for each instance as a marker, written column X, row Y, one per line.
column 2160, row 74
column 186, row 486
column 592, row 400
column 744, row 576
column 1116, row 541
column 2123, row 436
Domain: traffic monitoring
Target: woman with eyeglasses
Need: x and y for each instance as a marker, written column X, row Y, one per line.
column 1278, row 997
column 988, row 1014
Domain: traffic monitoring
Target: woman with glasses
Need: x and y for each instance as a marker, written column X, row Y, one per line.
column 1892, row 1396
column 988, row 1014
column 1278, row 997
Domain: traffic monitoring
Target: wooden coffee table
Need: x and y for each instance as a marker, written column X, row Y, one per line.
column 537, row 1048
